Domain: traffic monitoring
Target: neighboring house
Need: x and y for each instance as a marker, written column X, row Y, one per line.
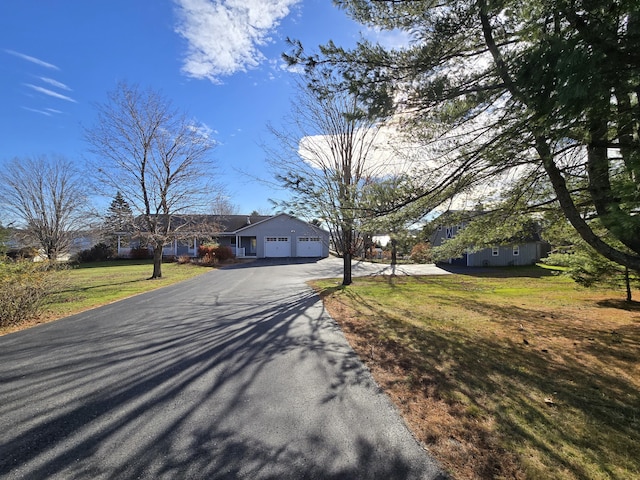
column 527, row 252
column 17, row 245
column 248, row 236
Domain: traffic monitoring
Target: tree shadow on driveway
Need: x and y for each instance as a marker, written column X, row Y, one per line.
column 197, row 387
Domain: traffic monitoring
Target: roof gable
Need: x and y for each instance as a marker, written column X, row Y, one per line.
column 282, row 216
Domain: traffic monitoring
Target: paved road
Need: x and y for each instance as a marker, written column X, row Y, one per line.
column 236, row 374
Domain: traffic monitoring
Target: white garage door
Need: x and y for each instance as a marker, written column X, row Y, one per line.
column 309, row 247
column 277, row 247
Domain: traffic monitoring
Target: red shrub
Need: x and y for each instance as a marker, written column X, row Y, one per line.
column 421, row 253
column 214, row 253
column 223, row 253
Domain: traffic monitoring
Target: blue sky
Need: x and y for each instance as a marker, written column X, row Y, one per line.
column 217, row 59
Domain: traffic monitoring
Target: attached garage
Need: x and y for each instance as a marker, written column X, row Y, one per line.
column 309, row 247
column 283, row 236
column 277, row 247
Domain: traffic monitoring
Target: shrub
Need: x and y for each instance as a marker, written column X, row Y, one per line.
column 223, row 253
column 204, row 250
column 24, row 252
column 140, row 253
column 421, row 253
column 98, row 253
column 184, row 259
column 24, row 285
column 211, row 254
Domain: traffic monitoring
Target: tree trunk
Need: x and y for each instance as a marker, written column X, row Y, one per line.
column 346, row 277
column 394, row 252
column 157, row 262
column 572, row 213
column 628, row 284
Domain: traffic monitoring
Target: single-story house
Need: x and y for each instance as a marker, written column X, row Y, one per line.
column 257, row 236
column 527, row 252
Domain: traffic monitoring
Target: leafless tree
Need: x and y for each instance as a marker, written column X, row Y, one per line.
column 324, row 158
column 156, row 156
column 46, row 199
column 335, row 148
column 222, row 206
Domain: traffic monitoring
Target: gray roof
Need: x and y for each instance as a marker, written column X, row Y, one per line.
column 220, row 223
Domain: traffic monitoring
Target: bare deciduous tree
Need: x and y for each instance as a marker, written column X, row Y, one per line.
column 325, row 159
column 156, row 156
column 46, row 198
column 221, row 205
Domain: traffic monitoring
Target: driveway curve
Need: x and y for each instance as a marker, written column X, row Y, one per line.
column 236, row 374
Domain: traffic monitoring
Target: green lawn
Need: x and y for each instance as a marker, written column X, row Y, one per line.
column 506, row 374
column 92, row 284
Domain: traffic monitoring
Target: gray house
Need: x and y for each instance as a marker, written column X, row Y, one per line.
column 248, row 236
column 527, row 252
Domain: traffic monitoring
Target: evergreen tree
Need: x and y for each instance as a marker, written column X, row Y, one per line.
column 119, row 219
column 548, row 89
column 582, row 263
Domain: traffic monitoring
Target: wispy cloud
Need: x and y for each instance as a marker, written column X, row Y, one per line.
column 55, row 83
column 51, row 93
column 224, row 36
column 31, row 59
column 41, row 112
column 204, row 130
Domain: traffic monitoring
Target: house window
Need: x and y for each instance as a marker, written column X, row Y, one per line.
column 495, row 251
column 439, row 228
column 449, row 232
column 516, row 250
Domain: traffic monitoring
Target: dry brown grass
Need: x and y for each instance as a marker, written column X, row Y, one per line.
column 519, row 377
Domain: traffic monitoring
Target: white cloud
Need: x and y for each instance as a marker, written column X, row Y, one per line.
column 202, row 129
column 391, row 39
column 41, row 112
column 51, row 93
column 31, row 59
column 224, row 36
column 55, row 83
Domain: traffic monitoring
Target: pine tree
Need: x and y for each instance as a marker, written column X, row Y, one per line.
column 547, row 90
column 119, row 219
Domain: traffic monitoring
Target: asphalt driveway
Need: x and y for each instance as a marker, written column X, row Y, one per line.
column 236, row 374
